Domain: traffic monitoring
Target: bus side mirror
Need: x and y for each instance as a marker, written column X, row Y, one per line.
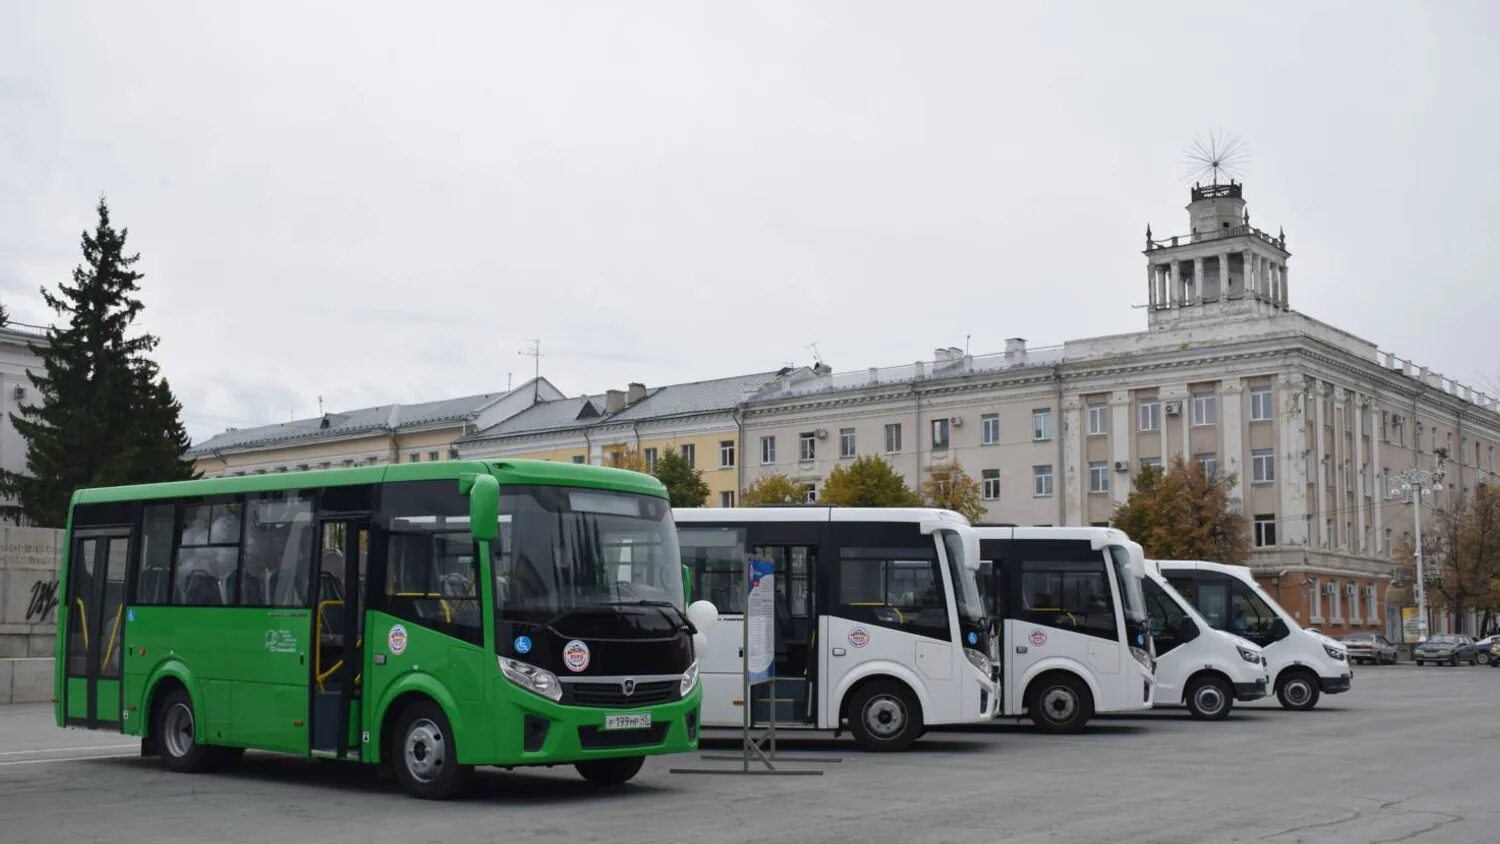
column 484, row 505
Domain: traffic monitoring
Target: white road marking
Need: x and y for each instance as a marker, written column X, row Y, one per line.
column 68, row 759
column 62, row 748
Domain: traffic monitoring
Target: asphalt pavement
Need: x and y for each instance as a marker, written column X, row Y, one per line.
column 1411, row 754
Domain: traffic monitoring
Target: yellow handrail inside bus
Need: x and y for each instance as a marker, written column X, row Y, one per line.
column 83, row 622
column 113, row 633
column 318, row 675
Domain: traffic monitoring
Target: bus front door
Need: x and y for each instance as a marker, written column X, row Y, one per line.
column 338, row 637
column 96, row 627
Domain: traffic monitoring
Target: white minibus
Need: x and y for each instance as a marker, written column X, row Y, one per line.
column 1071, row 622
column 1303, row 664
column 1206, row 669
column 879, row 624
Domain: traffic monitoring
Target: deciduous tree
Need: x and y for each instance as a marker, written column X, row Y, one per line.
column 1461, row 557
column 948, row 486
column 106, row 415
column 1184, row 514
column 774, row 488
column 868, row 481
column 685, row 484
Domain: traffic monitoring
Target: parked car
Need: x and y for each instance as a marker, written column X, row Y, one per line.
column 1485, row 649
column 1370, row 647
column 1445, row 648
column 1495, row 652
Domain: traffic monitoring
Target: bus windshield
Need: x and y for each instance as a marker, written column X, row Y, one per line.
column 568, row 551
column 965, row 589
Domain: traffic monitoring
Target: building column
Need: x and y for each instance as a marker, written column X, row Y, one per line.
column 1223, row 276
column 1174, row 284
column 1197, row 297
column 1075, row 483
column 1152, row 277
column 1320, row 422
column 1285, row 292
column 1361, row 476
column 1263, row 277
column 1377, row 483
column 1120, row 438
column 1231, row 436
column 1247, row 268
column 1291, row 422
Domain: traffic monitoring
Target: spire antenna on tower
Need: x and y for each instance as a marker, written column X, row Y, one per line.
column 1220, row 155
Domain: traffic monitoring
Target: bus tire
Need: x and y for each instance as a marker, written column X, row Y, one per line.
column 1209, row 698
column 1298, row 690
column 884, row 716
column 176, row 730
column 425, row 756
column 1060, row 703
column 606, row 773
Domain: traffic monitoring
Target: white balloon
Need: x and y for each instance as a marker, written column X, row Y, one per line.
column 703, row 615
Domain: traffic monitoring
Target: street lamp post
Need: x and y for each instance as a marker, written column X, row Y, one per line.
column 1418, row 482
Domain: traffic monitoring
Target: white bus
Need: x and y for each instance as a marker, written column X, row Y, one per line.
column 1206, row 669
column 1072, row 626
column 879, row 623
column 1304, row 665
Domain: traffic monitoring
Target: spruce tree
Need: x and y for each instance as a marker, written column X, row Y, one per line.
column 106, row 416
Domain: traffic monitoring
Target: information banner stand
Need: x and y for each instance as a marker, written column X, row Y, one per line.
column 758, row 645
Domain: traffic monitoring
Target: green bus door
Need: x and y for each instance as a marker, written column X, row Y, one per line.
column 96, row 627
column 338, row 636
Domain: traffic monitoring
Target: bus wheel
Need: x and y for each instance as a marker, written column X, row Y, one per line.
column 883, row 716
column 175, row 731
column 1060, row 704
column 607, row 772
column 1299, row 691
column 425, row 757
column 1209, row 699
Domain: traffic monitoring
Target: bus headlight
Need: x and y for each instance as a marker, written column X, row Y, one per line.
column 978, row 660
column 1335, row 653
column 689, row 679
column 529, row 677
column 1143, row 658
column 1249, row 656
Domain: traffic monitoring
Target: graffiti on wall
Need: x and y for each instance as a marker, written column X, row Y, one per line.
column 43, row 600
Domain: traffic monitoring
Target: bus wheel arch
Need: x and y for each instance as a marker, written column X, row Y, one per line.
column 1297, row 688
column 160, row 688
column 1059, row 701
column 884, row 713
column 417, row 725
column 1209, row 695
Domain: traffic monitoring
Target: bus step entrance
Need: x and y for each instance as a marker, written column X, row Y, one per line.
column 325, row 721
column 791, row 704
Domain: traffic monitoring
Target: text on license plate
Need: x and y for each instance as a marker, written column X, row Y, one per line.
column 627, row 722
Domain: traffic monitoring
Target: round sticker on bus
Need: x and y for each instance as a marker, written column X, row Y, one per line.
column 859, row 637
column 396, row 639
column 523, row 644
column 973, row 638
column 1038, row 638
column 576, row 655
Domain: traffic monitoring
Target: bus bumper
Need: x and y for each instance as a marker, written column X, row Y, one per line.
column 536, row 731
column 1336, row 685
column 1250, row 691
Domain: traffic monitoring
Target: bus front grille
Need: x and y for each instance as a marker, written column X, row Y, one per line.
column 593, row 738
column 613, row 694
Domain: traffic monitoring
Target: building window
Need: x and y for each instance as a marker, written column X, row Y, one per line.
column 807, row 444
column 810, row 493
column 432, row 456
column 726, row 499
column 893, row 438
column 452, row 454
column 1151, row 463
column 991, row 484
column 726, row 454
column 846, row 442
column 1041, row 481
column 1099, row 476
column 1209, row 464
column 690, row 454
column 1335, row 603
column 939, row 434
column 1041, row 424
column 1260, row 404
column 767, row 450
column 1371, row 592
column 1329, row 539
column 989, row 429
column 578, row 458
column 1384, row 427
column 1204, row 411
column 1098, row 420
column 414, row 457
column 1387, row 548
column 1265, row 531
column 1263, row 465
column 1150, row 413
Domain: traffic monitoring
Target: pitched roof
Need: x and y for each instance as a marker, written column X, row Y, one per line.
column 399, row 417
column 546, row 416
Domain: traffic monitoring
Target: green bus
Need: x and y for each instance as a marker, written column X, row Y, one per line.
column 430, row 617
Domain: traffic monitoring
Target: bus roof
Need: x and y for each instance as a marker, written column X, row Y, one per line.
column 1088, row 533
column 1242, row 572
column 946, row 518
column 517, row 472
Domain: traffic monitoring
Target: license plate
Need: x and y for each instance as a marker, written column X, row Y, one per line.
column 627, row 722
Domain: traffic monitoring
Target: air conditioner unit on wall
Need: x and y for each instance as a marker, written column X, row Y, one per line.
column 956, row 421
column 1172, row 408
column 821, row 433
column 1122, row 466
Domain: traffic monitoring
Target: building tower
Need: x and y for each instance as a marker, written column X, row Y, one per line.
column 1223, row 268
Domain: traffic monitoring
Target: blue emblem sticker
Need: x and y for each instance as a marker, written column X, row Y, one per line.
column 973, row 638
column 129, row 616
column 523, row 644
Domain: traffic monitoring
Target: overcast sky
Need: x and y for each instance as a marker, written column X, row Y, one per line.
column 381, row 203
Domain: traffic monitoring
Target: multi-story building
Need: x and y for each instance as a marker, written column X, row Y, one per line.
column 391, row 433
column 699, row 420
column 1310, row 420
column 17, row 362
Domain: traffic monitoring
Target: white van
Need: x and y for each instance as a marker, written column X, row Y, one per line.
column 1206, row 669
column 1304, row 665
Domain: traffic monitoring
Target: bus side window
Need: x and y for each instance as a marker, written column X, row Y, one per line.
column 1068, row 595
column 207, row 555
column 716, row 557
column 154, row 575
column 278, row 550
column 900, row 588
